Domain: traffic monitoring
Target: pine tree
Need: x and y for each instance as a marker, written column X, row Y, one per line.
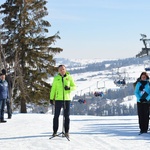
column 28, row 50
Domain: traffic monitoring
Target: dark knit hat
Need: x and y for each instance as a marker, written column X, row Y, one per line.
column 3, row 71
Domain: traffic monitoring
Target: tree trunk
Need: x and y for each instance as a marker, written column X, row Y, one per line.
column 23, row 108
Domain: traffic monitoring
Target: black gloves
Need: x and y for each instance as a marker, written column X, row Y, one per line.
column 51, row 102
column 66, row 87
column 144, row 95
column 143, row 100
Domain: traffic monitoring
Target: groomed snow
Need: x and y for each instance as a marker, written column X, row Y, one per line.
column 32, row 132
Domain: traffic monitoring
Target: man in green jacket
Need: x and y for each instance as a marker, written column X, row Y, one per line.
column 60, row 96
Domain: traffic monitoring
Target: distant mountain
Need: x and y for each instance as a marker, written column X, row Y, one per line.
column 83, row 65
column 97, row 75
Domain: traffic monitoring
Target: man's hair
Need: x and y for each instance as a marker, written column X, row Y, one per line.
column 61, row 66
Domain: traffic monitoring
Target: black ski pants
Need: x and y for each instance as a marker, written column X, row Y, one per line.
column 9, row 110
column 2, row 108
column 66, row 113
column 143, row 115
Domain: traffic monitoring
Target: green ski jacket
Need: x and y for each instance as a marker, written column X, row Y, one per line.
column 58, row 92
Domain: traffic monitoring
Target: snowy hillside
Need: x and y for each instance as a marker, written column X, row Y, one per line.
column 103, row 80
column 32, row 132
column 75, row 62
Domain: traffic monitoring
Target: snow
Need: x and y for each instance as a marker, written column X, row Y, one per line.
column 32, row 132
column 104, row 80
column 129, row 101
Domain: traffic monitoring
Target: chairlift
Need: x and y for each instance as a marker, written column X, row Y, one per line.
column 147, row 69
column 98, row 94
column 120, row 82
column 82, row 101
column 100, row 91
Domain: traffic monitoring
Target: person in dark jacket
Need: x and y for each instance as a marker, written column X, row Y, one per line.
column 8, row 101
column 142, row 93
column 4, row 95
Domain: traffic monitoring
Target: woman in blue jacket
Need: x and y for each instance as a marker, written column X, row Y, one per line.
column 4, row 95
column 142, row 93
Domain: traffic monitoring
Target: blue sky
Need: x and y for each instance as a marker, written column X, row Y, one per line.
column 99, row 28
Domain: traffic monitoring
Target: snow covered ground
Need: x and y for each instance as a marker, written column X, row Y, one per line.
column 32, row 132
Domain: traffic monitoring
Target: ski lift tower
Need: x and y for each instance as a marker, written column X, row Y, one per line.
column 145, row 51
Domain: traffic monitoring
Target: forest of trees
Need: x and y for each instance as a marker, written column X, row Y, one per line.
column 108, row 105
column 26, row 50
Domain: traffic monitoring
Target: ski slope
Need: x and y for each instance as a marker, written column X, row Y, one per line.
column 32, row 132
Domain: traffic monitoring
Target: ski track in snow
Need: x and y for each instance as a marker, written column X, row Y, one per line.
column 32, row 132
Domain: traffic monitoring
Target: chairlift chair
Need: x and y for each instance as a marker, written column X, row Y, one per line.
column 147, row 65
column 120, row 82
column 100, row 91
column 82, row 101
column 147, row 69
column 98, row 94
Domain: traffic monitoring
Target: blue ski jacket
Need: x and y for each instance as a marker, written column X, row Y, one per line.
column 138, row 93
column 4, row 93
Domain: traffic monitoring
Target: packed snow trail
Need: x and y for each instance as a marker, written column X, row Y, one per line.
column 32, row 132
